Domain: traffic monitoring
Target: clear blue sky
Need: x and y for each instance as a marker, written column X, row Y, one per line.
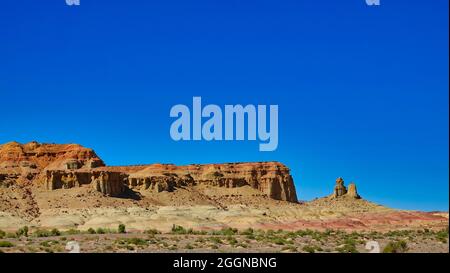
column 362, row 91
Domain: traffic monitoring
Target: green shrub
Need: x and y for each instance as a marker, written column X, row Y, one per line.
column 42, row 233
column 309, row 249
column 72, row 231
column 442, row 235
column 22, row 232
column 132, row 241
column 11, row 235
column 6, row 244
column 91, row 231
column 152, row 231
column 289, row 248
column 137, row 241
column 55, row 232
column 216, row 240
column 396, row 247
column 278, row 241
column 226, row 232
column 45, row 244
column 100, row 231
column 232, row 240
column 181, row 230
column 248, row 232
column 251, row 237
column 2, row 234
column 303, row 233
column 121, row 228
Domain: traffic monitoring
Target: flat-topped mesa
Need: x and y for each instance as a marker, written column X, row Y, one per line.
column 271, row 178
column 39, row 156
column 63, row 166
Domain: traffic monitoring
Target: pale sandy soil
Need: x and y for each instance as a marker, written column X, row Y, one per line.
column 201, row 208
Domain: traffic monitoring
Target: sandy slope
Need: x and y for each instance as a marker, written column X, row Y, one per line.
column 199, row 207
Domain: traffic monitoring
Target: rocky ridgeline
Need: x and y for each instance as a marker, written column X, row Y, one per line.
column 67, row 166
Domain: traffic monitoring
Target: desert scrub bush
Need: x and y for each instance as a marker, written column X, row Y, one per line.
column 303, row 233
column 6, row 244
column 442, row 235
column 11, row 235
column 152, row 231
column 180, row 230
column 200, row 240
column 247, row 232
column 45, row 244
column 46, row 233
column 121, row 228
column 49, row 243
column 41, row 233
column 132, row 241
column 72, row 231
column 396, row 247
column 279, row 241
column 225, row 232
column 189, row 246
column 350, row 241
column 22, row 232
column 231, row 240
column 91, row 231
column 289, row 248
column 402, row 233
column 250, row 237
column 319, row 236
column 2, row 234
column 216, row 240
column 243, row 245
column 309, row 249
column 347, row 248
column 55, row 232
column 101, row 231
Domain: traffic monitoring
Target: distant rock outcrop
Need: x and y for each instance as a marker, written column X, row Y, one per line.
column 341, row 191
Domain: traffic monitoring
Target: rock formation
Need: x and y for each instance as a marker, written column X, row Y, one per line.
column 71, row 165
column 34, row 155
column 352, row 192
column 341, row 191
column 271, row 178
column 107, row 182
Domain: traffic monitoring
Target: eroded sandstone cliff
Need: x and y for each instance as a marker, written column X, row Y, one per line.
column 67, row 166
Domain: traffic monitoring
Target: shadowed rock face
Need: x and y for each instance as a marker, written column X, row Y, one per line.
column 271, row 178
column 67, row 166
column 108, row 183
